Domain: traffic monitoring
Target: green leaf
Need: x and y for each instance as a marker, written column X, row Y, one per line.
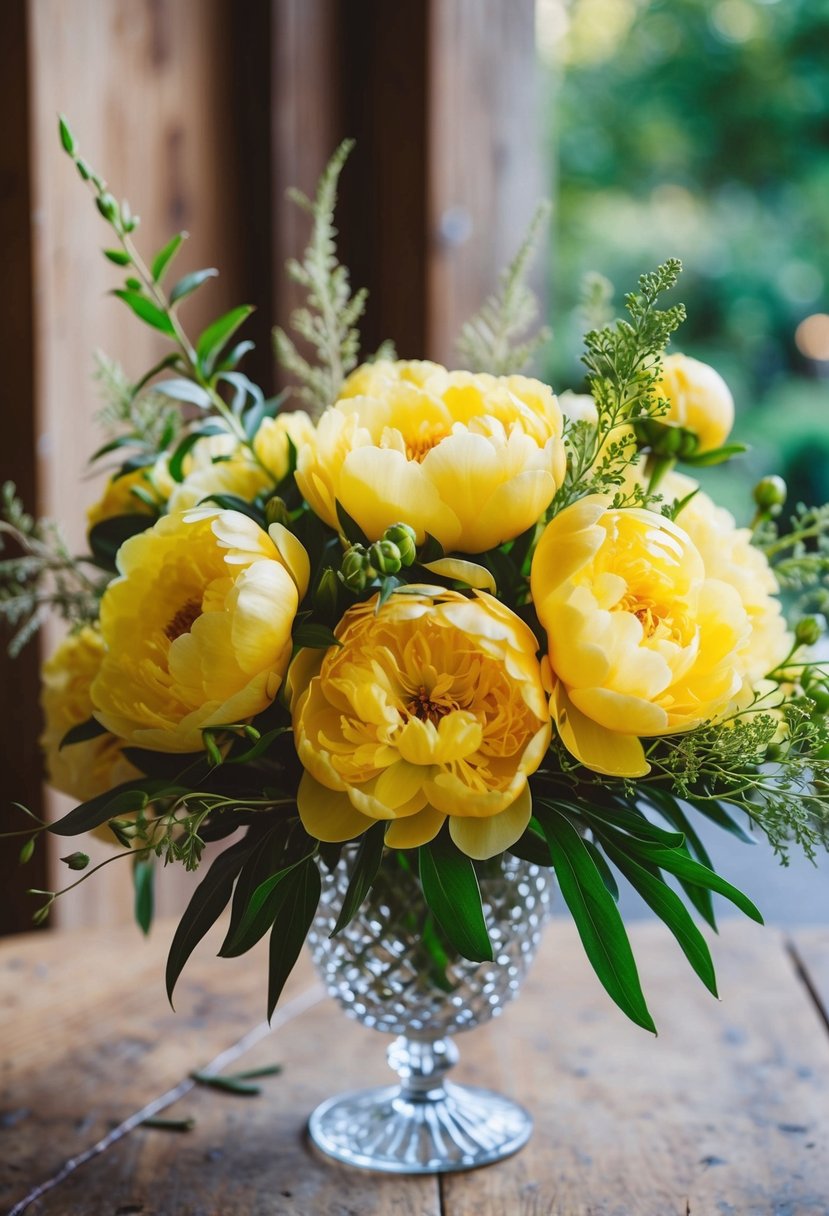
column 596, row 916
column 261, row 911
column 683, row 866
column 190, row 283
column 210, row 899
column 147, row 311
column 176, row 466
column 532, row 846
column 263, row 862
column 366, row 865
column 667, row 806
column 234, row 357
column 184, row 390
column 300, row 898
column 228, row 1085
column 213, row 340
column 122, row 800
column 669, row 908
column 90, row 729
column 107, row 536
column 67, row 139
column 632, row 822
column 27, row 851
column 604, row 869
column 450, row 888
column 122, row 441
column 143, row 875
column 717, row 456
column 260, row 747
column 316, row 637
column 350, row 530
column 120, row 257
column 165, row 256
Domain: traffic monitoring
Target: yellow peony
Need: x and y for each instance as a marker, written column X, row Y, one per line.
column 218, row 464
column 473, row 460
column 119, row 497
column 82, row 770
column 640, row 640
column 373, row 379
column 198, row 627
column 699, row 400
column 729, row 555
column 431, row 708
column 271, row 443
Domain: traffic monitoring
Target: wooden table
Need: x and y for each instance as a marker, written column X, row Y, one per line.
column 725, row 1114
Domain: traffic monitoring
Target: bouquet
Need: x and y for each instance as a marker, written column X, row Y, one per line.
column 434, row 617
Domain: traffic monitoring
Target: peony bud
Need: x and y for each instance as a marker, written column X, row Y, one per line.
column 770, row 492
column 325, row 593
column 356, row 570
column 276, row 512
column 384, row 556
column 405, row 538
column 808, row 630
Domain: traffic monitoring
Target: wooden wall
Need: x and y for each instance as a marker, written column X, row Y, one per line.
column 202, row 112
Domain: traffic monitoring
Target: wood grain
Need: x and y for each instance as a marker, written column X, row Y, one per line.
column 723, row 1115
column 810, row 950
column 139, row 82
column 486, row 174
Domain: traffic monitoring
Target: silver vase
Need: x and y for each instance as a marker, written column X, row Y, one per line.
column 383, row 974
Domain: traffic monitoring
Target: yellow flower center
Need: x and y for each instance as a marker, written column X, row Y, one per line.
column 183, row 620
column 422, row 706
column 421, row 442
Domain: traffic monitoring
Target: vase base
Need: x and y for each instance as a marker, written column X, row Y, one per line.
column 384, row 1129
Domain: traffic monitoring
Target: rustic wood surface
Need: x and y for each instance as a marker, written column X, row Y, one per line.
column 725, row 1114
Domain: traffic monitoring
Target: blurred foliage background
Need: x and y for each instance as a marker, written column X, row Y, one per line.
column 700, row 129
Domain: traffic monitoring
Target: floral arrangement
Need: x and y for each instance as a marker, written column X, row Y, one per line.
column 441, row 615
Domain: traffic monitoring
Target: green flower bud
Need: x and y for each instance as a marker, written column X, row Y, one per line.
column 807, row 631
column 76, row 861
column 384, row 556
column 325, row 593
column 688, row 444
column 405, row 538
column 770, row 492
column 276, row 512
column 107, row 206
column 356, row 570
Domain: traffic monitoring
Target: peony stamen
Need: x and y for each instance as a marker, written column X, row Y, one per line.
column 184, row 619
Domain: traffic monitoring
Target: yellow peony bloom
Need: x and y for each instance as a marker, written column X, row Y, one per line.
column 431, row 708
column 374, row 379
column 119, row 497
column 473, row 460
column 271, row 442
column 699, row 399
column 198, row 627
column 218, row 464
column 729, row 555
column 640, row 640
column 82, row 770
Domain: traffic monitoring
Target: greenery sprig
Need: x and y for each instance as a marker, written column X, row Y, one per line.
column 498, row 339
column 327, row 323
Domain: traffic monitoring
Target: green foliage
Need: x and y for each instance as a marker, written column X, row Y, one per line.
column 495, row 340
column 623, row 361
column 450, row 888
column 327, row 323
column 44, row 577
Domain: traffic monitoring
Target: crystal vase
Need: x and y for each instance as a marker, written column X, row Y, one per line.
column 391, row 969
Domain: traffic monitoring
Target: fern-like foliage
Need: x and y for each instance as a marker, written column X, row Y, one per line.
column 140, row 411
column 624, row 361
column 328, row 321
column 44, row 577
column 498, row 338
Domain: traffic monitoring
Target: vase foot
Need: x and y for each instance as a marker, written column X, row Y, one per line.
column 385, row 1129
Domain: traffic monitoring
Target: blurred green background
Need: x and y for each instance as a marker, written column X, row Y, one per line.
column 700, row 129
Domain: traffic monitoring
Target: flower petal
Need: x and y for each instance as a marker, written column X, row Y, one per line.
column 484, row 838
column 327, row 814
column 415, row 830
column 602, row 750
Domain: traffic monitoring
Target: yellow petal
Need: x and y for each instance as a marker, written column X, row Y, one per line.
column 463, row 572
column 294, row 555
column 327, row 814
column 415, row 830
column 602, row 750
column 484, row 838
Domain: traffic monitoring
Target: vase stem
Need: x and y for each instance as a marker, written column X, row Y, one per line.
column 422, row 1064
